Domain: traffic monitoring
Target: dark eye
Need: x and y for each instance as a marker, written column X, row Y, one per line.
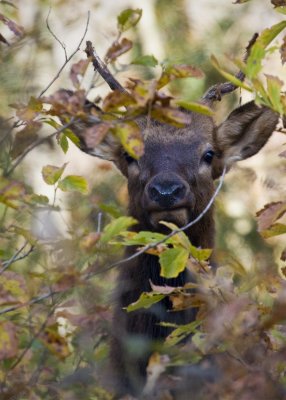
column 208, row 156
column 128, row 158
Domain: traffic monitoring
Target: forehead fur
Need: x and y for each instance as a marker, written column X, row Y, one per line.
column 201, row 128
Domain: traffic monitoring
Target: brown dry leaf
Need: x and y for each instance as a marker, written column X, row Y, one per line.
column 16, row 29
column 143, row 93
column 88, row 242
column 94, row 135
column 8, row 340
column 25, row 138
column 283, row 51
column 78, row 70
column 13, row 288
column 115, row 100
column 66, row 102
column 170, row 115
column 117, row 49
column 283, row 255
column 278, row 3
column 163, row 289
column 183, row 301
column 283, row 154
column 56, row 343
column 68, row 280
column 269, row 214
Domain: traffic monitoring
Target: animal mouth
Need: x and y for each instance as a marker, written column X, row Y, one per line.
column 178, row 216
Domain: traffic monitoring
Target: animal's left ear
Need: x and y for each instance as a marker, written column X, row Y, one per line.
column 243, row 134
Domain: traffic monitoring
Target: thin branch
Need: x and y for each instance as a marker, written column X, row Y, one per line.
column 174, row 232
column 68, row 58
column 37, row 143
column 16, row 257
column 99, row 220
column 55, row 36
column 102, row 69
column 216, row 92
column 30, row 344
column 29, row 303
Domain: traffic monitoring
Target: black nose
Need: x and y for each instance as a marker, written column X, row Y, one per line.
column 166, row 193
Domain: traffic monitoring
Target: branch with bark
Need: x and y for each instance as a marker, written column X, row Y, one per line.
column 216, row 92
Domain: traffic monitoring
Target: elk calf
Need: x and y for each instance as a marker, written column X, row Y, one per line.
column 172, row 181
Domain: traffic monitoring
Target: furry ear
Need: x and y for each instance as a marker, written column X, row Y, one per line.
column 243, row 134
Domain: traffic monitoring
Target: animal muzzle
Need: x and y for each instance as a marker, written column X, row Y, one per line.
column 167, row 192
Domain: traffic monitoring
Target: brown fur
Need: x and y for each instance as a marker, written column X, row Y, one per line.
column 176, row 156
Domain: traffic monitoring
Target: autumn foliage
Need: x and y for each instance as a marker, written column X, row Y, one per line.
column 56, row 310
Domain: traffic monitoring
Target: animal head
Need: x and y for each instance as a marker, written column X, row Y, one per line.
column 173, row 180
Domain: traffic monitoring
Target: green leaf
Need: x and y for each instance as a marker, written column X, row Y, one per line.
column 173, row 261
column 178, row 71
column 182, row 332
column 274, row 230
column 200, row 254
column 258, row 50
column 267, row 36
column 180, row 238
column 51, row 174
column 147, row 61
column 229, row 76
column 254, row 61
column 128, row 19
column 63, row 142
column 143, row 238
column 115, row 227
column 195, row 107
column 281, row 10
column 25, row 233
column 73, row 183
column 146, row 300
column 274, row 86
column 130, row 138
column 39, row 199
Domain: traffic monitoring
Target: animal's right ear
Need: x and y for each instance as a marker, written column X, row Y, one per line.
column 242, row 134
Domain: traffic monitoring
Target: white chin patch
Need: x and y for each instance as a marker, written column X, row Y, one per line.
column 178, row 217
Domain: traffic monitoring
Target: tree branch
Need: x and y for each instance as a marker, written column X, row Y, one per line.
column 37, row 143
column 102, row 69
column 55, row 36
column 215, row 93
column 16, row 257
column 67, row 59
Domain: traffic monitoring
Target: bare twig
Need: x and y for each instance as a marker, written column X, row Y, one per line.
column 16, row 257
column 55, row 36
column 29, row 303
column 30, row 344
column 167, row 237
column 37, row 143
column 67, row 59
column 102, row 69
column 216, row 92
column 99, row 220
